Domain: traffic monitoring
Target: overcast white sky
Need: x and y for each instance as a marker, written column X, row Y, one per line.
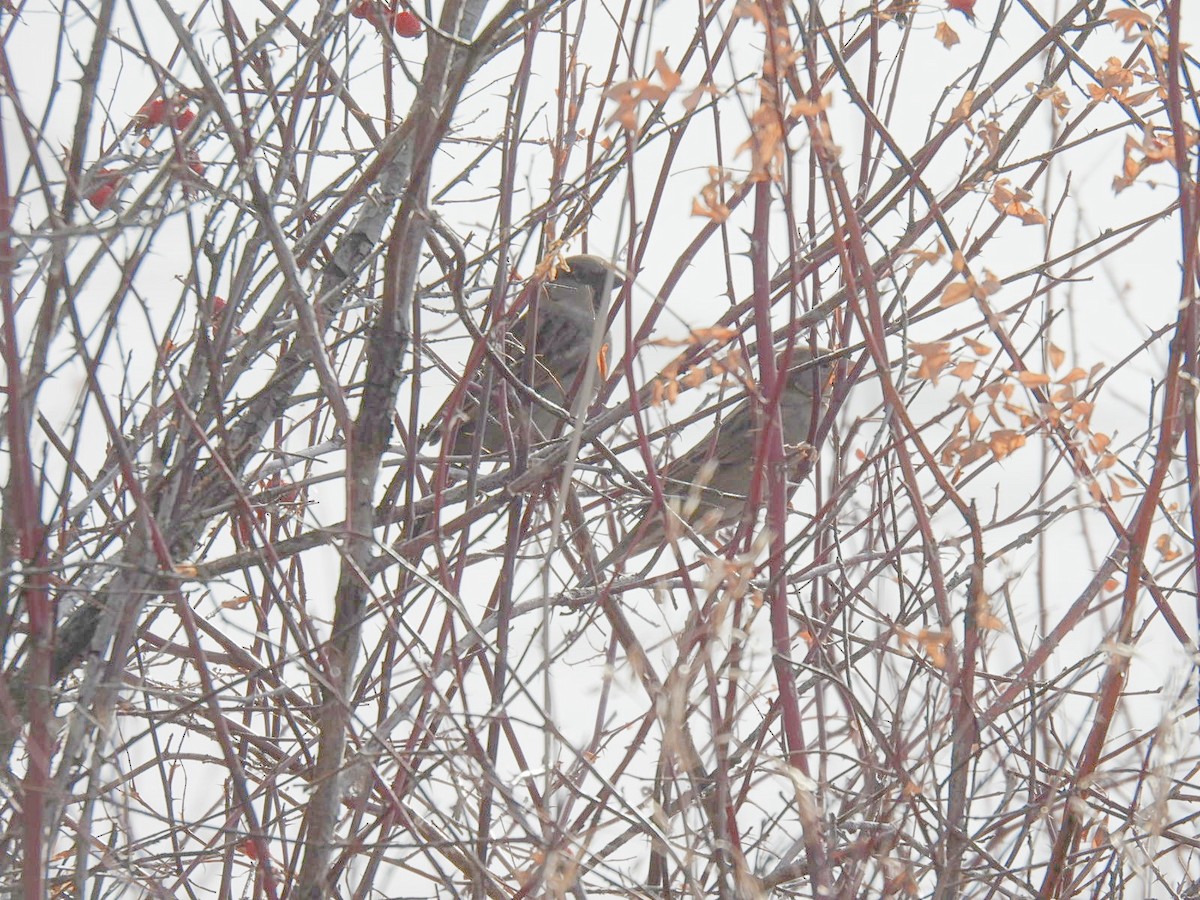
column 1105, row 315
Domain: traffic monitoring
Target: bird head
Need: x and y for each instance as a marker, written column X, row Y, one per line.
column 808, row 372
column 591, row 272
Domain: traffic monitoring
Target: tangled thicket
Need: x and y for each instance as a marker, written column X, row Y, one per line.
column 261, row 635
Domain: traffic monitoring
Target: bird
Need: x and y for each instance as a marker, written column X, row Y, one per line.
column 708, row 486
column 561, row 341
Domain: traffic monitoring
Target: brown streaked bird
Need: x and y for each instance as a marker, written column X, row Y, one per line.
column 708, row 486
column 567, row 311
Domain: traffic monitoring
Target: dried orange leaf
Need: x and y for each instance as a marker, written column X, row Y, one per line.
column 975, row 451
column 929, row 637
column 985, row 619
column 627, row 95
column 991, row 133
column 965, row 369
column 706, row 212
column 735, row 361
column 990, row 284
column 668, row 76
column 652, row 93
column 963, row 110
column 1032, row 379
column 934, row 643
column 926, row 256
column 1056, row 355
column 1115, row 81
column 934, row 358
column 692, row 100
column 1058, row 100
column 977, row 347
column 720, row 333
column 1081, row 410
column 621, row 90
column 749, row 10
column 1014, row 201
column 956, row 292
column 766, row 144
column 1025, row 416
column 1166, row 549
column 723, row 366
column 1004, row 441
column 945, row 35
column 1130, row 21
column 810, row 108
column 710, row 205
column 657, row 392
column 951, row 449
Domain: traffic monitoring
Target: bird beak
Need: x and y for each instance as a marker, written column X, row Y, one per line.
column 618, row 280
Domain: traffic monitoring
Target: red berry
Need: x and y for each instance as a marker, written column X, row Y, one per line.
column 154, row 112
column 192, row 159
column 102, row 196
column 966, row 7
column 406, row 24
column 243, row 535
column 185, row 118
column 107, row 183
column 366, row 9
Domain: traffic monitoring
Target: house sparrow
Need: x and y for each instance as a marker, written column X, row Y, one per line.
column 562, row 343
column 709, row 483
